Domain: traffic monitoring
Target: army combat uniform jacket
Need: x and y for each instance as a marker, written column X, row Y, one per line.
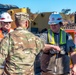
column 18, row 51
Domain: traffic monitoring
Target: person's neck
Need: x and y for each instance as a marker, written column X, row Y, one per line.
column 21, row 27
column 57, row 32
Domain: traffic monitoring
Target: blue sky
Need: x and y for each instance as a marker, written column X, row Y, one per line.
column 43, row 5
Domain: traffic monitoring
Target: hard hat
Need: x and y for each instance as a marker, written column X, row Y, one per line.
column 5, row 17
column 55, row 18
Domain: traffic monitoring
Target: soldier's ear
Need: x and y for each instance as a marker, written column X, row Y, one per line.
column 27, row 26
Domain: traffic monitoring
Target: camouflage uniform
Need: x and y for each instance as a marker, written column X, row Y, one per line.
column 19, row 49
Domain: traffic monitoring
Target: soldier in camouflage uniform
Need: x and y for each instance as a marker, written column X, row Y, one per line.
column 19, row 49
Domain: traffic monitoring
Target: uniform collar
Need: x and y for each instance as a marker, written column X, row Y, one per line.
column 20, row 28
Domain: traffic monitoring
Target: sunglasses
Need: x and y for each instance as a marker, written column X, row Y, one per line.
column 7, row 22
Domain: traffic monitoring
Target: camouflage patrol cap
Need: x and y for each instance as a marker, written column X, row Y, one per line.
column 21, row 16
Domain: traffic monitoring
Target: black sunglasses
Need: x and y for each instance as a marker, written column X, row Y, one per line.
column 7, row 22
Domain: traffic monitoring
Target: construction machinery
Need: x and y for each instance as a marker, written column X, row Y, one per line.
column 6, row 7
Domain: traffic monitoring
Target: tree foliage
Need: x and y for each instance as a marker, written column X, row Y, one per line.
column 65, row 11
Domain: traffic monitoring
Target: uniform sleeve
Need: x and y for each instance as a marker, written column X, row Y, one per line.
column 3, row 52
column 39, row 45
